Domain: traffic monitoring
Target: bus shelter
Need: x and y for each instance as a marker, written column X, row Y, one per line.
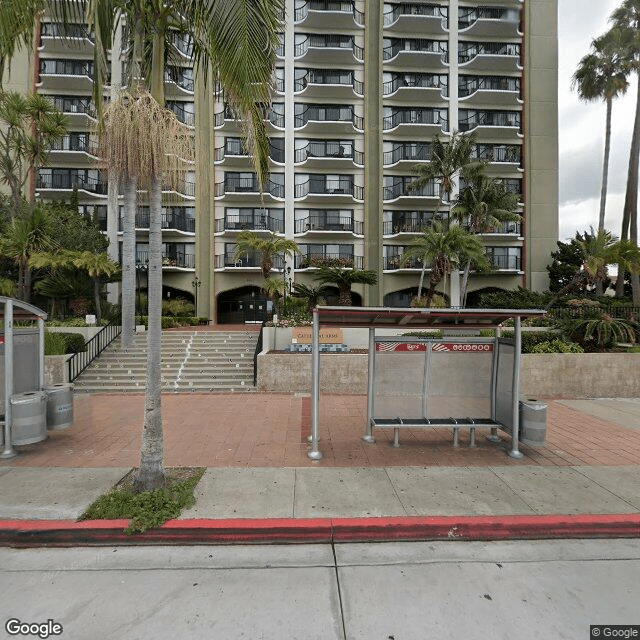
column 22, row 364
column 458, row 381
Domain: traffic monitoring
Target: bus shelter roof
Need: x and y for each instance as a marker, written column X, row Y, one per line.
column 21, row 310
column 373, row 317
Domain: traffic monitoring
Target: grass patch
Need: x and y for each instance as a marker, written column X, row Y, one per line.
column 147, row 509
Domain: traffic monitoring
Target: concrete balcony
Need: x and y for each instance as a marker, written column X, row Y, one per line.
column 317, row 14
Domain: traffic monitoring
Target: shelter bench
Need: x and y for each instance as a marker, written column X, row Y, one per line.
column 435, row 423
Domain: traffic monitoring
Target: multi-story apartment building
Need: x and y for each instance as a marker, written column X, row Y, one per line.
column 359, row 91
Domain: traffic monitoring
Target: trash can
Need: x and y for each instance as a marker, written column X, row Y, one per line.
column 533, row 422
column 29, row 417
column 59, row 406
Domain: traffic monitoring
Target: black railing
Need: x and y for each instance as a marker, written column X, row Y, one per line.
column 314, row 260
column 469, row 50
column 344, row 187
column 416, row 116
column 327, row 223
column 169, row 221
column 416, row 80
column 329, row 113
column 470, row 84
column 505, row 263
column 392, row 263
column 470, row 119
column 393, row 227
column 414, row 9
column 74, row 105
column 257, row 222
column 92, row 349
column 185, row 116
column 66, row 181
column 255, row 354
column 401, row 187
column 407, row 151
column 468, row 16
column 415, row 45
column 230, row 259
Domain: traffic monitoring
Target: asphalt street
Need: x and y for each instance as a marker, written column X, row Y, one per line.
column 399, row 591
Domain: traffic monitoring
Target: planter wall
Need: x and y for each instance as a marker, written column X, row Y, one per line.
column 56, row 370
column 568, row 375
column 86, row 332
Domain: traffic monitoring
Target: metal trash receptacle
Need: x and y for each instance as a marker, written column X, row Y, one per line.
column 59, row 406
column 28, row 417
column 533, row 421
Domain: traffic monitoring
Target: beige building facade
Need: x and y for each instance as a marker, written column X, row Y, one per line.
column 359, row 92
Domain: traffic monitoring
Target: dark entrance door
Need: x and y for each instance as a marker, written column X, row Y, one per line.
column 247, row 304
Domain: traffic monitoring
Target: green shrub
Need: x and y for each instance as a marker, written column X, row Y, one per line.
column 433, row 333
column 146, row 509
column 177, row 307
column 596, row 330
column 530, row 338
column 520, row 298
column 74, row 342
column 54, row 344
column 557, row 346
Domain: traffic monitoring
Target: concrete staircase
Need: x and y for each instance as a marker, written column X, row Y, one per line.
column 192, row 361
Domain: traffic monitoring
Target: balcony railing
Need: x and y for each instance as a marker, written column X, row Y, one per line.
column 394, row 262
column 257, row 222
column 183, row 43
column 185, row 116
column 328, row 149
column 328, row 77
column 180, row 76
column 343, row 187
column 177, row 221
column 415, row 45
column 413, row 151
column 229, row 260
column 318, row 222
column 329, row 41
column 414, row 9
column 74, row 105
column 315, row 260
column 513, row 228
column 401, row 187
column 467, row 15
column 327, row 113
column 67, row 181
column 247, row 185
column 76, row 142
column 469, row 119
column 505, row 263
column 70, row 30
column 469, row 50
column 416, row 116
column 470, row 84
column 392, row 227
column 328, row 5
column 66, row 67
column 497, row 153
column 416, row 81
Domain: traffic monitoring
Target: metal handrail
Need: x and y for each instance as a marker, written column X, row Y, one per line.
column 255, row 355
column 92, row 349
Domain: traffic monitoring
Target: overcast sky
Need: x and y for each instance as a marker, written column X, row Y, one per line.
column 582, row 126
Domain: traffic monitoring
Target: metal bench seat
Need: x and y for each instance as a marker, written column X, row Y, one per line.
column 435, row 423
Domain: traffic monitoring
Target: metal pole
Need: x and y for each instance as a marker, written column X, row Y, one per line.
column 515, row 391
column 493, row 436
column 41, row 351
column 314, row 453
column 8, row 451
column 368, row 434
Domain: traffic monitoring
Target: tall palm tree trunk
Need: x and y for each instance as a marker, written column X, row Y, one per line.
column 128, row 263
column 465, row 284
column 605, row 165
column 630, row 211
column 96, row 300
column 151, row 472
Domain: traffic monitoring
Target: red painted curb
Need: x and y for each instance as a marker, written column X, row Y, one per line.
column 291, row 530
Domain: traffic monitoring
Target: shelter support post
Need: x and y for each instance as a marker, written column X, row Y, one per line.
column 368, row 436
column 314, row 453
column 8, row 451
column 493, row 436
column 515, row 389
column 41, row 352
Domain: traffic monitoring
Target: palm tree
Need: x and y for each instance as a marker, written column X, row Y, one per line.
column 311, row 294
column 266, row 247
column 602, row 75
column 444, row 249
column 598, row 250
column 344, row 279
column 484, row 203
column 234, row 40
column 446, row 161
column 626, row 19
column 24, row 237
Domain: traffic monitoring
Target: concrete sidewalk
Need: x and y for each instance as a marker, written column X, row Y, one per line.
column 589, row 471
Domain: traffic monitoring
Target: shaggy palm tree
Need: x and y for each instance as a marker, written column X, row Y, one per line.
column 626, row 20
column 446, row 161
column 442, row 249
column 344, row 279
column 602, row 75
column 484, row 203
column 311, row 294
column 266, row 247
